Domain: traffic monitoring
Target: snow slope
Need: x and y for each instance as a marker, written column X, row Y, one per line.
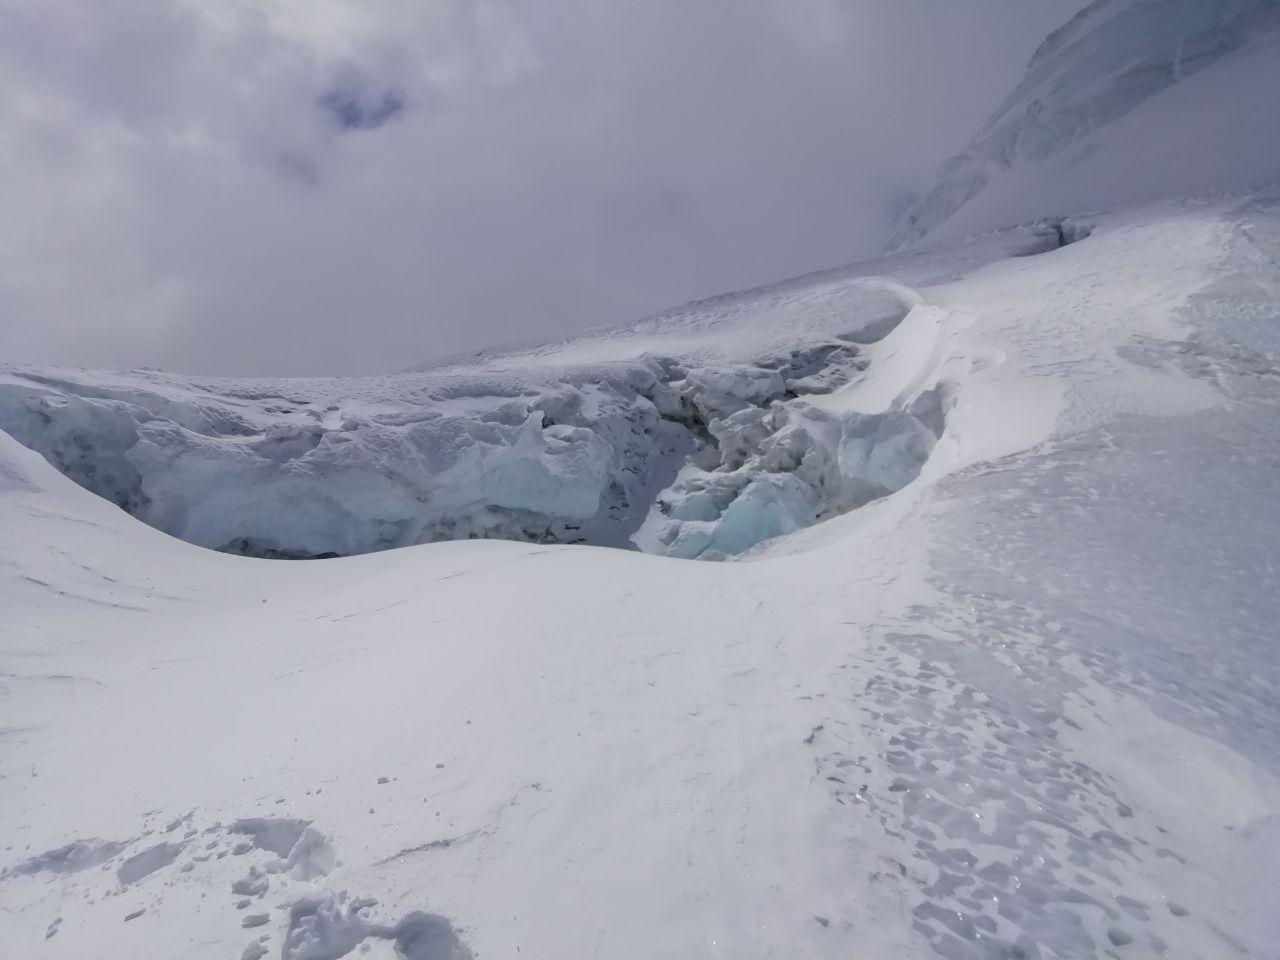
column 1129, row 101
column 1026, row 705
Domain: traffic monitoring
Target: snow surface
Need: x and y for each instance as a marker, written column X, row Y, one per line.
column 1130, row 101
column 1027, row 705
column 995, row 675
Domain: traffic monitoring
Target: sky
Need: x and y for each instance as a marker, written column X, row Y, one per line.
column 333, row 187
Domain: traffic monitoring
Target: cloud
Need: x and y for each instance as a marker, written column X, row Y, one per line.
column 352, row 107
column 331, row 186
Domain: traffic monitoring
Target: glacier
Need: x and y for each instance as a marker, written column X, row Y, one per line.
column 654, row 436
column 989, row 670
column 1024, row 705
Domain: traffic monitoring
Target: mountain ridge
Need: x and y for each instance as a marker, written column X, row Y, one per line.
column 1110, row 60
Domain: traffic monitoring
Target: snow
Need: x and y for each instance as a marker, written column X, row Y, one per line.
column 989, row 670
column 1027, row 702
column 1130, row 101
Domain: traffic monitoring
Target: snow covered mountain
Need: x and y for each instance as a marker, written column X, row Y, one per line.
column 1131, row 100
column 1025, row 706
column 992, row 671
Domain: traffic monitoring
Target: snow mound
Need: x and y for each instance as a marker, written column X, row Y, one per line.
column 1089, row 99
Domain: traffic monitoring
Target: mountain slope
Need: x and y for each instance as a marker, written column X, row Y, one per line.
column 1131, row 100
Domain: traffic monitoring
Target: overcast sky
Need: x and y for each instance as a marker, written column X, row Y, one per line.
column 355, row 186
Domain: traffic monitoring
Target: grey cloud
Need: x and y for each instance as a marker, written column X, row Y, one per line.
column 312, row 187
column 353, row 107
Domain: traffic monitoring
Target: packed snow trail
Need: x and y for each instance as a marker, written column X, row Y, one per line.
column 1025, row 706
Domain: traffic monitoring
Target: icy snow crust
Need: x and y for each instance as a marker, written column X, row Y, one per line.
column 1102, row 66
column 699, row 433
column 1028, row 706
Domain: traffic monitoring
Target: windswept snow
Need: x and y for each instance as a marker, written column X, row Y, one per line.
column 1028, row 705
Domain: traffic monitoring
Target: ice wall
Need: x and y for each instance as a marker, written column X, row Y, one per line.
column 698, row 455
column 730, row 455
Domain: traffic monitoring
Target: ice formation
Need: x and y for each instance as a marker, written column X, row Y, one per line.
column 1027, row 706
column 704, row 452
